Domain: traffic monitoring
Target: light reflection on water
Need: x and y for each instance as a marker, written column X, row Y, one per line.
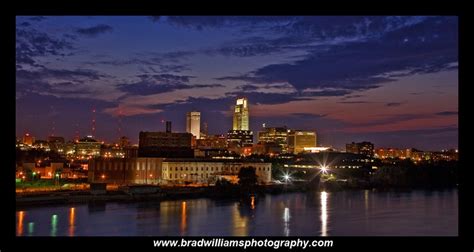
column 352, row 213
column 286, row 221
column 324, row 213
column 72, row 219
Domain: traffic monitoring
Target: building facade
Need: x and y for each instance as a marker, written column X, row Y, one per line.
column 212, row 142
column 193, row 123
column 239, row 138
column 165, row 144
column 277, row 135
column 125, row 170
column 241, row 115
column 87, row 147
column 364, row 148
column 28, row 139
column 169, row 171
column 298, row 140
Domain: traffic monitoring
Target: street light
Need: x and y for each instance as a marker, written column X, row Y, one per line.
column 287, row 177
column 57, row 177
column 324, row 169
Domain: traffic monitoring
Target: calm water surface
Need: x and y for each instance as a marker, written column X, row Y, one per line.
column 346, row 213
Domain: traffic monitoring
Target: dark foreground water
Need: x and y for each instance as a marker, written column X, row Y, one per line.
column 346, row 213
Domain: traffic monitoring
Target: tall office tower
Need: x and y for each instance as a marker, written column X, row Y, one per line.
column 241, row 115
column 193, row 123
column 277, row 135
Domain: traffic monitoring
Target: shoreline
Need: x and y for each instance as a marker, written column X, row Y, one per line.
column 177, row 193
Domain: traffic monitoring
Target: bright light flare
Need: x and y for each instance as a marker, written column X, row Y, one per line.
column 287, row 177
column 324, row 169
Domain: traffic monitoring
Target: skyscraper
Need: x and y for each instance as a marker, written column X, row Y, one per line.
column 299, row 139
column 193, row 123
column 277, row 135
column 241, row 115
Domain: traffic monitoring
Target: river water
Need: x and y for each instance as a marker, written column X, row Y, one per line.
column 344, row 213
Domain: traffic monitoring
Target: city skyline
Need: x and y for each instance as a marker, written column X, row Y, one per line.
column 388, row 80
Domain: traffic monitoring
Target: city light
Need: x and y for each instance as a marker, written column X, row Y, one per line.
column 324, row 169
column 287, row 177
column 306, row 126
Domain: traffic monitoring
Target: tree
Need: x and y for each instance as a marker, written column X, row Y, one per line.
column 247, row 177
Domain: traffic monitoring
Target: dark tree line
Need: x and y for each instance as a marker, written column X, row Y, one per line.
column 440, row 174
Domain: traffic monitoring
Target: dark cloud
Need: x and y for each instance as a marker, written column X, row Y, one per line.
column 203, row 22
column 55, row 81
column 267, row 98
column 70, row 36
column 37, row 18
column 117, row 62
column 25, row 24
column 168, row 78
column 354, row 102
column 155, row 18
column 160, row 83
column 362, row 65
column 205, row 85
column 316, row 26
column 241, row 78
column 393, row 104
column 447, row 113
column 149, row 87
column 45, row 73
column 94, row 30
column 248, row 87
column 31, row 43
column 390, row 119
column 328, row 92
column 174, row 68
column 176, row 56
column 249, row 50
column 304, row 33
column 166, row 62
column 307, row 115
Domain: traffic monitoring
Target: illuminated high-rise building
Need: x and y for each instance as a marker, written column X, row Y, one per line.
column 277, row 135
column 298, row 140
column 193, row 123
column 241, row 115
column 365, row 148
column 28, row 139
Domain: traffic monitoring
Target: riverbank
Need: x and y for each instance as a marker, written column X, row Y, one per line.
column 164, row 193
column 173, row 193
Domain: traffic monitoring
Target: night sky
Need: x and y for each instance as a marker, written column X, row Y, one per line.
column 389, row 80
